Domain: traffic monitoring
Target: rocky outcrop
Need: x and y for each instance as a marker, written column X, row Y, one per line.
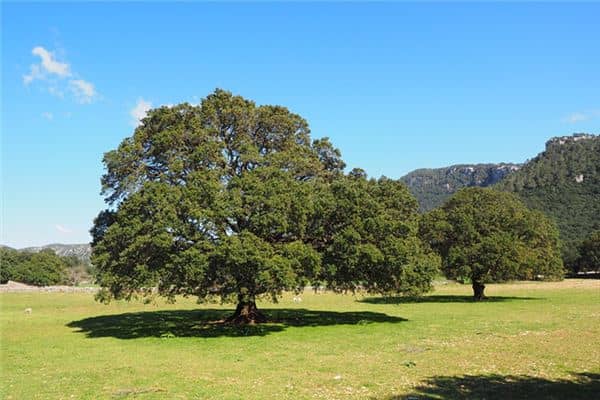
column 562, row 140
column 81, row 251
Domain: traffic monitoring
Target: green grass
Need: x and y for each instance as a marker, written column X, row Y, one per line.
column 532, row 340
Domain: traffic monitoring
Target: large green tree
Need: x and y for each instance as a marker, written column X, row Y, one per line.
column 490, row 236
column 232, row 200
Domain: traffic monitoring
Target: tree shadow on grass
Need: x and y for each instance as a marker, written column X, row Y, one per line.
column 498, row 387
column 441, row 299
column 206, row 323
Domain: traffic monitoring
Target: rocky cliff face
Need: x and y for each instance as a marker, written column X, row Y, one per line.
column 432, row 187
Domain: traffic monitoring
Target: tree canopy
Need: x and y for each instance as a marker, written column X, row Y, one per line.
column 232, row 200
column 589, row 254
column 43, row 268
column 488, row 236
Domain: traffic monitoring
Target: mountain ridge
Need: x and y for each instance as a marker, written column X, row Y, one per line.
column 432, row 186
column 82, row 251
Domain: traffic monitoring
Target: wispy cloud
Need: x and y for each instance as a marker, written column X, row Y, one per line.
column 48, row 115
column 84, row 91
column 58, row 76
column 62, row 229
column 35, row 72
column 55, row 91
column 580, row 116
column 139, row 111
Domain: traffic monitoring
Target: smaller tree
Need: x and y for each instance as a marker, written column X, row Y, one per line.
column 370, row 238
column 589, row 254
column 488, row 236
column 40, row 269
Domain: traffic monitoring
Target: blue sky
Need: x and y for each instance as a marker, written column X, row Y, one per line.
column 396, row 86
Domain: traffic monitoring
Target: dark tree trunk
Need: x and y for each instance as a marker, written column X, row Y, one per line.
column 478, row 289
column 246, row 312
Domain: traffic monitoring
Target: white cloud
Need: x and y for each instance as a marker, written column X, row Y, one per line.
column 48, row 66
column 84, row 91
column 58, row 77
column 580, row 116
column 139, row 111
column 48, row 115
column 62, row 229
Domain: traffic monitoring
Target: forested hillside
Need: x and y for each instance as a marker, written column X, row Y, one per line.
column 563, row 182
column 432, row 187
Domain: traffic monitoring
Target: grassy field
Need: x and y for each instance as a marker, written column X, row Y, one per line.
column 531, row 340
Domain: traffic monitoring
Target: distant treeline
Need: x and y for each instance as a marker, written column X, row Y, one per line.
column 41, row 268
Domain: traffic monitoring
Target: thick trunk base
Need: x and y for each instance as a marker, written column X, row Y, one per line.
column 478, row 289
column 246, row 313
